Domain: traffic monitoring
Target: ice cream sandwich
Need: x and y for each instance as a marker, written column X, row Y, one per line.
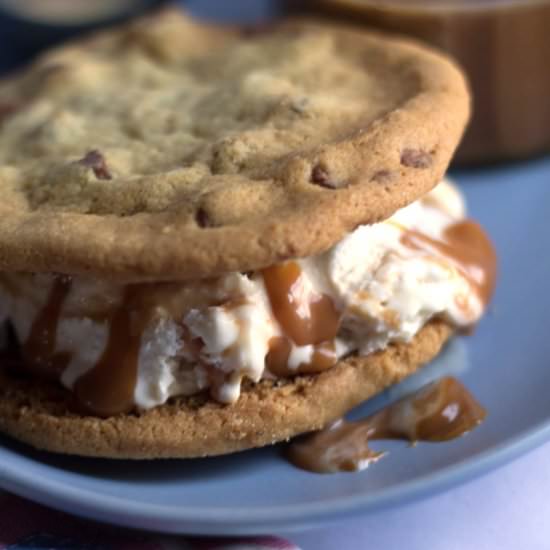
column 213, row 240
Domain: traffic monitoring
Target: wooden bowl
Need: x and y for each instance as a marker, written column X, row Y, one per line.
column 504, row 47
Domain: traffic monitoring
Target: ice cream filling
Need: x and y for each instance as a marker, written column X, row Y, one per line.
column 119, row 347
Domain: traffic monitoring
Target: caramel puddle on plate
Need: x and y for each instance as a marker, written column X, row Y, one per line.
column 438, row 412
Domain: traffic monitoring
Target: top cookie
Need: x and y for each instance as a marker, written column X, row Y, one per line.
column 167, row 149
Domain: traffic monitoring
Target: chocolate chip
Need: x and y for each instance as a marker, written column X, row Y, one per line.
column 202, row 218
column 383, row 176
column 416, row 158
column 320, row 176
column 96, row 161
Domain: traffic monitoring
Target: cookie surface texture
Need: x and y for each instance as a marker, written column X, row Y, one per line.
column 168, row 149
column 39, row 414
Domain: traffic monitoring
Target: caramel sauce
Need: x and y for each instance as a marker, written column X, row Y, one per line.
column 312, row 322
column 323, row 358
column 468, row 248
column 39, row 355
column 108, row 388
column 438, row 412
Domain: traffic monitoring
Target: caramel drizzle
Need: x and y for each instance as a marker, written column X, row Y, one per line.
column 40, row 357
column 311, row 323
column 439, row 412
column 323, row 358
column 315, row 322
column 466, row 246
column 108, row 388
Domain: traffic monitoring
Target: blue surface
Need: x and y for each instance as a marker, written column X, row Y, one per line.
column 505, row 365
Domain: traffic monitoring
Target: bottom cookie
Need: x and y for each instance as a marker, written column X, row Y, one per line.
column 39, row 413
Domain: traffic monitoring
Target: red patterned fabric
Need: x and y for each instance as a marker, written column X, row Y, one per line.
column 28, row 526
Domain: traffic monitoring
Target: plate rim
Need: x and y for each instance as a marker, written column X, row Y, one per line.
column 251, row 520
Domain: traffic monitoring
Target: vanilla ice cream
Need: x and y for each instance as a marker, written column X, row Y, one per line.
column 380, row 284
